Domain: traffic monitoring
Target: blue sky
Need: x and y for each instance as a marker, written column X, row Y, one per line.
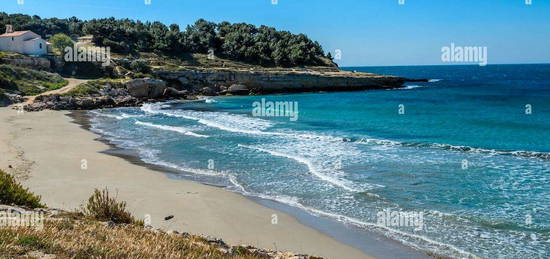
column 368, row 32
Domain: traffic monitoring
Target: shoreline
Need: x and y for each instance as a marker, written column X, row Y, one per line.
column 369, row 242
column 54, row 150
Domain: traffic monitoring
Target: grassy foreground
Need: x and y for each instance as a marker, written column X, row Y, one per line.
column 102, row 228
column 73, row 236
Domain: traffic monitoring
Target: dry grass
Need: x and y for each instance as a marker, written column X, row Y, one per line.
column 70, row 237
column 84, row 235
column 102, row 207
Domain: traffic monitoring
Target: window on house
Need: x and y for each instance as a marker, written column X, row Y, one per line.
column 40, row 45
column 12, row 39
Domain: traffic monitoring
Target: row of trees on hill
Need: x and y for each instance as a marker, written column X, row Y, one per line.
column 239, row 41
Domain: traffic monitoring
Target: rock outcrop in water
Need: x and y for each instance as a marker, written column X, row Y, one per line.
column 251, row 82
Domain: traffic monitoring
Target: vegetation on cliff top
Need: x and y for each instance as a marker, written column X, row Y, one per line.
column 28, row 81
column 92, row 87
column 262, row 45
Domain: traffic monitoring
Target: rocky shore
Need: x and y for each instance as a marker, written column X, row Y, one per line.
column 187, row 84
column 110, row 95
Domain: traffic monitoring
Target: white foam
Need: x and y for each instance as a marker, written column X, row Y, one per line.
column 385, row 142
column 240, row 124
column 311, row 167
column 113, row 116
column 411, row 87
column 171, row 128
column 388, row 231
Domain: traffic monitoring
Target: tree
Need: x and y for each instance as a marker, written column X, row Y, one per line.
column 262, row 45
column 61, row 41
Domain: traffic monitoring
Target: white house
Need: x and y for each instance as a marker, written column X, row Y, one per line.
column 23, row 42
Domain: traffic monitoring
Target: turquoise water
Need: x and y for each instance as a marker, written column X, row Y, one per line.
column 469, row 150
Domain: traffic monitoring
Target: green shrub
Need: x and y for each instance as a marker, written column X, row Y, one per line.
column 82, row 90
column 12, row 193
column 140, row 66
column 27, row 81
column 102, row 207
column 32, row 242
column 60, row 41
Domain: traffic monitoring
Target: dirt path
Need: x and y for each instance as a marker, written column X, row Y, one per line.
column 73, row 82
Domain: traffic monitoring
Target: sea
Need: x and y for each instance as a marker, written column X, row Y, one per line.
column 457, row 167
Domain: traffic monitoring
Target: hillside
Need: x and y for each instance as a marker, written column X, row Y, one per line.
column 241, row 42
column 26, row 81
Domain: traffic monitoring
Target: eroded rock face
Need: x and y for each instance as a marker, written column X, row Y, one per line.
column 238, row 89
column 38, row 63
column 146, row 88
column 132, row 93
column 252, row 82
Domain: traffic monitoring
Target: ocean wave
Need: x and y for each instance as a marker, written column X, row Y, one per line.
column 347, row 185
column 531, row 154
column 251, row 126
column 411, row 87
column 212, row 119
column 156, row 109
column 122, row 116
column 171, row 128
column 434, row 80
column 419, row 242
column 208, row 100
column 150, row 156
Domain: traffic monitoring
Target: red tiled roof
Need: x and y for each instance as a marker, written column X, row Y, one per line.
column 14, row 34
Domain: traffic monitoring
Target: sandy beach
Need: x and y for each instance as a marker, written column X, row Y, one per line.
column 63, row 163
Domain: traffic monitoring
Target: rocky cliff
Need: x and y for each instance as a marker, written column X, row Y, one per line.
column 187, row 84
column 213, row 82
